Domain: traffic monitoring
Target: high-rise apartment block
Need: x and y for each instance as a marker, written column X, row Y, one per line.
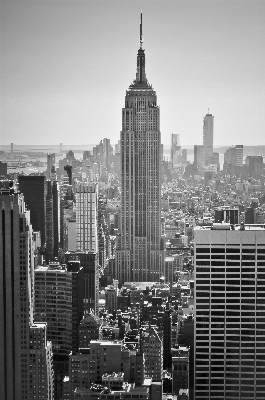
column 229, row 317
column 139, row 256
column 86, row 217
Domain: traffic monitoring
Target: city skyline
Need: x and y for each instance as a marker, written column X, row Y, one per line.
column 65, row 66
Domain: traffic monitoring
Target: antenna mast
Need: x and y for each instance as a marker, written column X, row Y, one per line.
column 141, row 30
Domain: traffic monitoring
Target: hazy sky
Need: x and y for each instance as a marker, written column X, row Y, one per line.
column 66, row 65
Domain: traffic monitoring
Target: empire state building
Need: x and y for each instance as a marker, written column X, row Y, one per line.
column 139, row 256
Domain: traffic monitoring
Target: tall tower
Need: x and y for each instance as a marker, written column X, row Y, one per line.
column 87, row 217
column 34, row 190
column 175, row 149
column 24, row 357
column 229, row 317
column 208, row 135
column 138, row 257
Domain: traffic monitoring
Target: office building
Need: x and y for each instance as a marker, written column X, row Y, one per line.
column 90, row 275
column 111, row 297
column 234, row 155
column 180, row 369
column 3, row 169
column 19, row 375
column 139, row 256
column 152, row 347
column 227, row 214
column 184, row 155
column 208, row 135
column 88, row 330
column 50, row 165
column 86, row 217
column 229, row 316
column 53, row 305
column 199, row 157
column 255, row 165
column 34, row 190
column 175, row 150
column 41, row 363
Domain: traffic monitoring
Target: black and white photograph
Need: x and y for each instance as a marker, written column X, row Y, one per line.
column 132, row 200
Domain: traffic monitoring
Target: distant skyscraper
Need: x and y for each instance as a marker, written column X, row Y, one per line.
column 234, row 155
column 138, row 257
column 255, row 165
column 229, row 317
column 208, row 135
column 50, row 164
column 175, row 149
column 87, row 217
column 3, row 169
column 34, row 190
column 184, row 155
column 199, row 157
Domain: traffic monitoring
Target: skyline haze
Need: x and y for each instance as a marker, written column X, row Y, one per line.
column 65, row 66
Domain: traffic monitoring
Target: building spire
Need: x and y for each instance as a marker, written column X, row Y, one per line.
column 141, row 30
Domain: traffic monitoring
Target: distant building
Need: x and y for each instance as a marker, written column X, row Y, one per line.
column 34, row 190
column 225, row 214
column 152, row 346
column 199, row 157
column 90, row 272
column 50, row 164
column 86, row 217
column 234, row 156
column 208, row 136
column 88, row 330
column 175, row 150
column 180, row 369
column 184, row 155
column 255, row 165
column 111, row 299
column 3, row 169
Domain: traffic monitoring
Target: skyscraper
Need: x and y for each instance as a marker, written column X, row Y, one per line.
column 34, row 190
column 208, row 135
column 87, row 217
column 175, row 149
column 229, row 317
column 24, row 357
column 139, row 257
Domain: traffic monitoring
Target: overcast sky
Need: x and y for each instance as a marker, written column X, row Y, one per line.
column 66, row 65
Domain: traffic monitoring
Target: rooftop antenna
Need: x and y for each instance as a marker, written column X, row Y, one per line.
column 141, row 30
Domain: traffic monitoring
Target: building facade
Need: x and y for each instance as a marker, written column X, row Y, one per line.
column 86, row 217
column 229, row 318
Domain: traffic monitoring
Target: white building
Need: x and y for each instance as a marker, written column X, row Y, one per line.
column 86, row 217
column 229, row 317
